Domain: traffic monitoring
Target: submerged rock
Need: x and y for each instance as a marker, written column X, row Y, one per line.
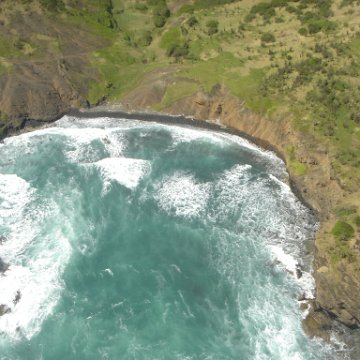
column 3, row 266
column 298, row 271
column 17, row 297
column 2, row 239
column 4, row 309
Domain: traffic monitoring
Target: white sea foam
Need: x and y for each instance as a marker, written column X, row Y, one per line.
column 39, row 283
column 183, row 134
column 36, row 262
column 15, row 193
column 182, row 195
column 85, row 135
column 106, row 122
column 125, row 171
column 271, row 217
column 108, row 271
column 81, row 142
column 231, row 192
column 78, row 142
column 274, row 164
column 286, row 260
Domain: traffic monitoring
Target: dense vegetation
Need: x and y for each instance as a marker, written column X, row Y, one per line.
column 299, row 59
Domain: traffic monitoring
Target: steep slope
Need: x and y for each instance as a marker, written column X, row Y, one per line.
column 44, row 60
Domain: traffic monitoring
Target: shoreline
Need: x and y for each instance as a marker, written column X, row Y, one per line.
column 325, row 322
column 118, row 112
column 171, row 119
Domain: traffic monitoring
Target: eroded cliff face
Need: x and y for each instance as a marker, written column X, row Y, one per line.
column 46, row 82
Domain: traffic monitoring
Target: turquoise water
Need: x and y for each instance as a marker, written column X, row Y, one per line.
column 136, row 240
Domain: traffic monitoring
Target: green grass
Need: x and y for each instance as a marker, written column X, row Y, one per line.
column 8, row 48
column 3, row 69
column 120, row 70
column 344, row 212
column 357, row 220
column 171, row 37
column 177, row 91
column 343, row 231
column 295, row 166
column 340, row 252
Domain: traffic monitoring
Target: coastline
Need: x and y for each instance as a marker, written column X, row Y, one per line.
column 320, row 322
column 172, row 119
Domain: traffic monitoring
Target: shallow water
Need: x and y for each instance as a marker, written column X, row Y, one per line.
column 136, row 240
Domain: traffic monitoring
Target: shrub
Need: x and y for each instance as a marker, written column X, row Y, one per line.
column 162, row 10
column 159, row 21
column 212, row 26
column 206, row 4
column 303, row 31
column 186, row 9
column 141, row 6
column 192, row 21
column 267, row 38
column 324, row 25
column 145, row 38
column 178, row 51
column 266, row 10
column 357, row 220
column 314, row 27
column 291, row 9
column 343, row 230
column 355, row 117
column 250, row 17
column 170, row 38
column 345, row 211
column 53, row 5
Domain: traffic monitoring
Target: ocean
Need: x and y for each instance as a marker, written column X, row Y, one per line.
column 129, row 239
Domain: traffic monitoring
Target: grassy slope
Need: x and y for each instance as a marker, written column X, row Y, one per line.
column 313, row 79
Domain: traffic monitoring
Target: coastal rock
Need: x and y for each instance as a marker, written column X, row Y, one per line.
column 338, row 291
column 3, row 266
column 17, row 297
column 323, row 269
column 4, row 309
column 298, row 271
column 317, row 323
